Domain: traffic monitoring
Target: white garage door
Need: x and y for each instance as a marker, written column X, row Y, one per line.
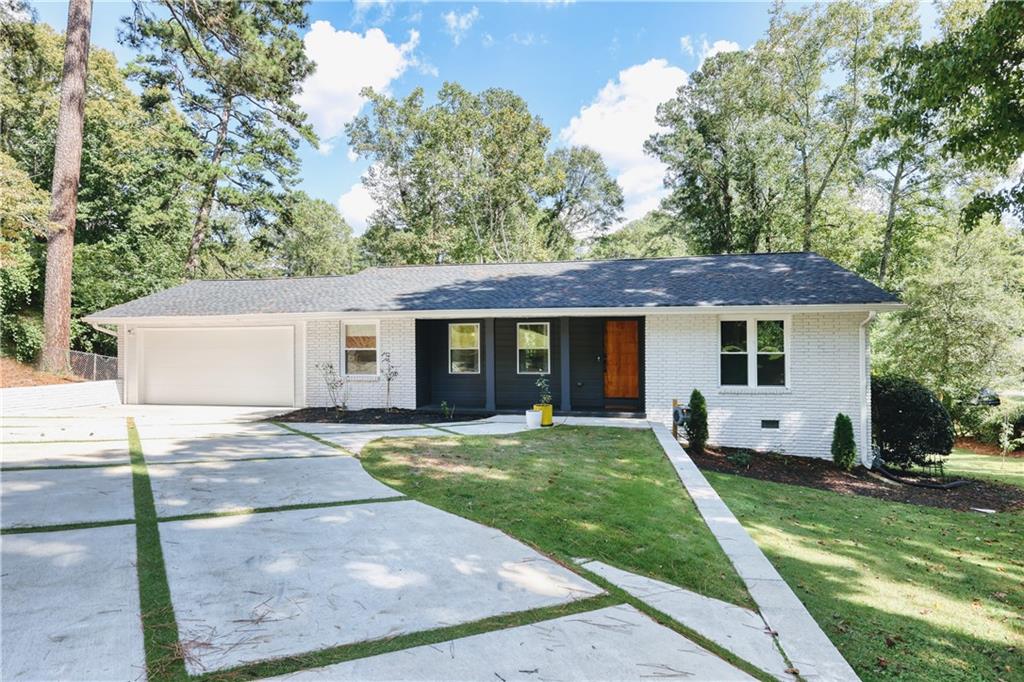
column 218, row 366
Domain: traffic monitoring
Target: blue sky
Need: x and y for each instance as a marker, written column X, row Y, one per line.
column 593, row 71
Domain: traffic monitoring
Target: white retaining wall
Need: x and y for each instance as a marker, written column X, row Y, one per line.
column 32, row 399
column 395, row 335
column 826, row 372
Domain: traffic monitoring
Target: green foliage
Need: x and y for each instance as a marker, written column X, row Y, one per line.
column 967, row 85
column 757, row 141
column 989, row 427
column 961, row 330
column 740, row 457
column 467, row 180
column 22, row 336
column 584, row 199
column 310, row 239
column 543, row 385
column 727, row 163
column 697, row 426
column 844, row 447
column 911, row 427
column 233, row 67
column 652, row 236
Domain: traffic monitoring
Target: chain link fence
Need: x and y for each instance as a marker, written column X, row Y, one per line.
column 92, row 366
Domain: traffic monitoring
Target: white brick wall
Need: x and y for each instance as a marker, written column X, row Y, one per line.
column 396, row 335
column 825, row 378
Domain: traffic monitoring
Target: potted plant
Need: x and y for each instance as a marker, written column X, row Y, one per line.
column 544, row 406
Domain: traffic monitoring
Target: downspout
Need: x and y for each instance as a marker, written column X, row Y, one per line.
column 867, row 453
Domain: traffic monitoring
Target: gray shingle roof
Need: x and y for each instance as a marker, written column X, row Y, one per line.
column 734, row 280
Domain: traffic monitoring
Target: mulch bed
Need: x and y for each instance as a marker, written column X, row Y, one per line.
column 824, row 475
column 329, row 415
column 985, row 448
column 14, row 374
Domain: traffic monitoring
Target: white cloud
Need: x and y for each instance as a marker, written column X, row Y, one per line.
column 362, row 8
column 619, row 121
column 709, row 50
column 487, row 40
column 526, row 39
column 357, row 205
column 457, row 25
column 686, row 45
column 346, row 63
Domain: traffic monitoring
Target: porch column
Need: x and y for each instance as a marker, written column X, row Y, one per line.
column 564, row 365
column 489, row 401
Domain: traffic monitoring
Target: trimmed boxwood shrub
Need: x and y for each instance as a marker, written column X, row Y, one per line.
column 844, row 448
column 910, row 425
column 697, row 427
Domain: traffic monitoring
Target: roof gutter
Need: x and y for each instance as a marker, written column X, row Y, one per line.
column 279, row 318
column 97, row 326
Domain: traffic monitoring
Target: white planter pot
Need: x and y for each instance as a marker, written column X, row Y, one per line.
column 533, row 419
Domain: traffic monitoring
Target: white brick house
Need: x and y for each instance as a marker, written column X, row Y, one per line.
column 777, row 343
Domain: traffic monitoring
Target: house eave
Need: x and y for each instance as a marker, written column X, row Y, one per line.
column 632, row 311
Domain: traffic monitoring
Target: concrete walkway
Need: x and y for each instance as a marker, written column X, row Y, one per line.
column 739, row 630
column 802, row 639
column 614, row 643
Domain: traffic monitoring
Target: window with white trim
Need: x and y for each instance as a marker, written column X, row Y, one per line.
column 771, row 353
column 752, row 352
column 360, row 348
column 463, row 348
column 533, row 347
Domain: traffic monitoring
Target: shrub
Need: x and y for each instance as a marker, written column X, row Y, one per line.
column 990, row 424
column 23, row 336
column 697, row 427
column 844, row 448
column 740, row 458
column 910, row 424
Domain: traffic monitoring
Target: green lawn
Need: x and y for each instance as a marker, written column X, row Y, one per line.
column 991, row 467
column 905, row 592
column 601, row 493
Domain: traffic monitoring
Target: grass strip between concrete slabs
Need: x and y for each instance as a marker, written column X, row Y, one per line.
column 672, row 624
column 164, row 656
column 287, row 507
column 315, row 437
column 349, row 652
column 61, row 466
column 65, row 526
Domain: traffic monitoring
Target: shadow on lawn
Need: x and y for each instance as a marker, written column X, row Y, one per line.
column 906, row 591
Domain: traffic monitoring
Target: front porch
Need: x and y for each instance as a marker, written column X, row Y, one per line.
column 595, row 365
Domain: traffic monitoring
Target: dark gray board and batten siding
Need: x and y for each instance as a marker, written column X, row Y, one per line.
column 435, row 384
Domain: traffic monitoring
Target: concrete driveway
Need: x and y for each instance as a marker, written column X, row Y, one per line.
column 276, row 544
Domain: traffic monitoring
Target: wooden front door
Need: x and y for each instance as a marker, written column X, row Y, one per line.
column 622, row 359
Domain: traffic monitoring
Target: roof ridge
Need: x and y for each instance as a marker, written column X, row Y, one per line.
column 520, row 262
column 601, row 260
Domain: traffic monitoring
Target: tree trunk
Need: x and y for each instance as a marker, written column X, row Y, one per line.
column 890, row 221
column 808, row 216
column 67, row 165
column 206, row 207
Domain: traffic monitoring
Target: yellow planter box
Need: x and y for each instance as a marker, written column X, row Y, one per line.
column 546, row 412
